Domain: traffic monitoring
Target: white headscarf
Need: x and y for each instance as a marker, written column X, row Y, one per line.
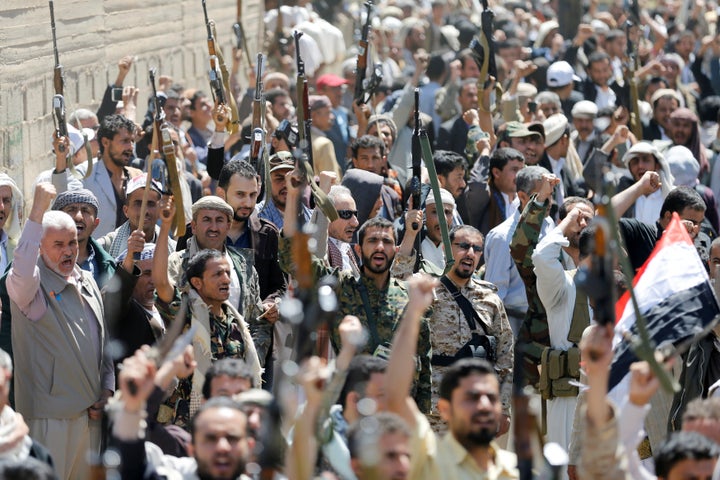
column 13, row 224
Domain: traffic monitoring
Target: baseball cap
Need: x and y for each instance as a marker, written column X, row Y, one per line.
column 281, row 161
column 329, row 80
column 560, row 74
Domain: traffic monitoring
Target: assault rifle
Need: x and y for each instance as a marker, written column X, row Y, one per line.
column 258, row 131
column 484, row 50
column 59, row 112
column 362, row 57
column 216, row 84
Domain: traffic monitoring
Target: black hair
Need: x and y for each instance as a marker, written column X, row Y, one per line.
column 375, row 222
column 217, row 402
column 446, row 161
column 461, row 369
column 469, row 228
column 230, row 367
column 709, row 108
column 367, row 141
column 501, row 157
column 197, row 95
column 360, row 370
column 569, row 203
column 436, row 67
column 681, row 446
column 274, row 94
column 680, row 198
column 597, row 57
column 29, row 469
column 111, row 126
column 586, row 241
column 527, row 178
column 196, row 266
column 233, row 167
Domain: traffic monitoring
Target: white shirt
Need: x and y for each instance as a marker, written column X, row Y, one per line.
column 510, row 207
column 557, row 166
column 647, row 208
column 433, row 253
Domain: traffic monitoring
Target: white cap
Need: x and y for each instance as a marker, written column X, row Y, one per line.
column 445, row 196
column 555, row 126
column 584, row 109
column 560, row 74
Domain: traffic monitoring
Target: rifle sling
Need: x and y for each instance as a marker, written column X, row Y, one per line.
column 471, row 316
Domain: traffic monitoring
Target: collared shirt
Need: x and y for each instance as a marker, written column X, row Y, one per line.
column 647, row 207
column 433, row 253
column 348, row 265
column 270, row 212
column 90, row 264
column 510, row 207
column 243, row 241
column 557, row 166
column 433, row 458
column 605, row 98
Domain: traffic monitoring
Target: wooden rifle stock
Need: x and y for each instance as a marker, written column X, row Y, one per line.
column 216, row 85
column 58, row 103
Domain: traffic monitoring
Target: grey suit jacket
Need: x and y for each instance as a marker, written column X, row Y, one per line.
column 99, row 183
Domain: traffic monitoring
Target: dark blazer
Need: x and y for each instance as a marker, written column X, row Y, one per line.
column 453, row 135
column 589, row 91
column 264, row 237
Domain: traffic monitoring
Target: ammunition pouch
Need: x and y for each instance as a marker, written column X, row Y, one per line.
column 559, row 370
column 479, row 346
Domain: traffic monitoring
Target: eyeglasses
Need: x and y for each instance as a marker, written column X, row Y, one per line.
column 347, row 214
column 468, row 246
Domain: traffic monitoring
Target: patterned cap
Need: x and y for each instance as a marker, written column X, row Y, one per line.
column 147, row 253
column 211, row 202
column 69, row 197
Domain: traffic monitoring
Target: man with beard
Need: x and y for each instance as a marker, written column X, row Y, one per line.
column 451, row 170
column 685, row 131
column 469, row 402
column 63, row 377
column 239, row 186
column 376, row 298
column 567, row 315
column 222, row 330
column 82, row 206
column 254, row 237
column 110, row 174
column 482, row 330
column 220, row 447
column 115, row 242
column 432, row 246
column 211, row 220
column 664, row 101
column 272, row 208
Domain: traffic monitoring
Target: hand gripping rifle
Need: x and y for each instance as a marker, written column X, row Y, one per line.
column 163, row 139
column 257, row 144
column 216, row 85
column 362, row 57
column 484, row 50
column 305, row 137
column 234, row 124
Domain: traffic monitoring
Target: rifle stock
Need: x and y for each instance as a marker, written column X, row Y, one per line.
column 631, row 66
column 416, row 152
column 216, row 85
column 58, row 102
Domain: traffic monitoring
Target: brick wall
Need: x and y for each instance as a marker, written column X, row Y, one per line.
column 92, row 36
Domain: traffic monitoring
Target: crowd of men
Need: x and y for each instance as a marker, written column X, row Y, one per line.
column 360, row 327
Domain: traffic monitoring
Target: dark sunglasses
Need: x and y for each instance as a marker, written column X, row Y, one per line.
column 347, row 214
column 468, row 246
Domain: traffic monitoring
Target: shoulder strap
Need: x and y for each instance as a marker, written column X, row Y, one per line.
column 471, row 316
column 580, row 316
column 368, row 313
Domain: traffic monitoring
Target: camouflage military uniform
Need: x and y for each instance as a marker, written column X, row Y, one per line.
column 250, row 304
column 534, row 333
column 450, row 331
column 225, row 341
column 380, row 319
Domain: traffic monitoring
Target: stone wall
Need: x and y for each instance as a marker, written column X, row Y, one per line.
column 92, row 36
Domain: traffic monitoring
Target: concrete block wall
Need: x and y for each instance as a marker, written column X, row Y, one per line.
column 92, row 36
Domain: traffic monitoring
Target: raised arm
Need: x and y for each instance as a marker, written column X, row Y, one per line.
column 163, row 285
column 401, row 366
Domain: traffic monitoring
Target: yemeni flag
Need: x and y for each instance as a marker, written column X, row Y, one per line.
column 673, row 293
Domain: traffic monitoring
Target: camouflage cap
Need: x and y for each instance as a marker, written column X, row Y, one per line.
column 519, row 130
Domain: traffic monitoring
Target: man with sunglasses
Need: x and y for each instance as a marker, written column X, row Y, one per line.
column 469, row 320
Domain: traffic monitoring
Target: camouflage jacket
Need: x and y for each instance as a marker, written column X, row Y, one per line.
column 250, row 305
column 216, row 337
column 450, row 331
column 380, row 315
column 534, row 333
